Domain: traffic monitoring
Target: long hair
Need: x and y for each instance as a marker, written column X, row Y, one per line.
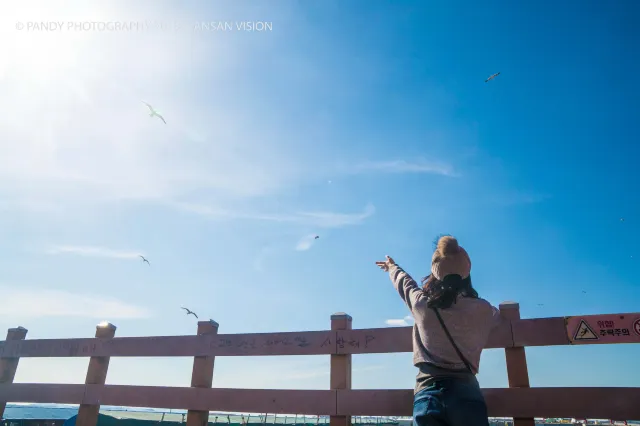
column 443, row 294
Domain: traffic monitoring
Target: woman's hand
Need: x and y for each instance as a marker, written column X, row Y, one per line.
column 384, row 265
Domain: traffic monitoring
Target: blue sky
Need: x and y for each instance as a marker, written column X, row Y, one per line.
column 366, row 123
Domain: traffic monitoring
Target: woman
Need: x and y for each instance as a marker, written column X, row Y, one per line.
column 446, row 391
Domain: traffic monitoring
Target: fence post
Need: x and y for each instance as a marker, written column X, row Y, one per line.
column 340, row 366
column 96, row 375
column 8, row 366
column 517, row 371
column 202, row 374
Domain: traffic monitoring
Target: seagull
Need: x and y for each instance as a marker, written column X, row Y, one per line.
column 190, row 312
column 316, row 237
column 492, row 77
column 144, row 259
column 153, row 112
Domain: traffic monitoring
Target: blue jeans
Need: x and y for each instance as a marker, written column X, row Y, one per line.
column 450, row 402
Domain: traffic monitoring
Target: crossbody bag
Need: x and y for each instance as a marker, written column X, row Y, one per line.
column 446, row 331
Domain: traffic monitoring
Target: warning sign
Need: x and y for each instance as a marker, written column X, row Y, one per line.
column 584, row 332
column 601, row 329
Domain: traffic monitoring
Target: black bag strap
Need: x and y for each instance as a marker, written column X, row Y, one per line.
column 446, row 331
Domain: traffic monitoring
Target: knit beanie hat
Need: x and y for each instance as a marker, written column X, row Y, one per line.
column 449, row 258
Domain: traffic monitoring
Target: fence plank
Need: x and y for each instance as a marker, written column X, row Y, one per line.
column 341, row 366
column 374, row 340
column 526, row 332
column 602, row 403
column 539, row 332
column 9, row 365
column 593, row 403
column 43, row 393
column 96, row 375
column 232, row 400
column 375, row 402
column 399, row 339
column 202, row 375
column 517, row 371
column 254, row 344
column 580, row 403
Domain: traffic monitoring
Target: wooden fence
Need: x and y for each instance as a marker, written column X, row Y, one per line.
column 341, row 342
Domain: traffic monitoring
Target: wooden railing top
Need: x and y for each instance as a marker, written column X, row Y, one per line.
column 594, row 329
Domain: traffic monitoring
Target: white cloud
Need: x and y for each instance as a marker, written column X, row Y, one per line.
column 90, row 251
column 406, row 321
column 321, row 219
column 402, row 166
column 38, row 302
column 306, row 242
column 335, row 220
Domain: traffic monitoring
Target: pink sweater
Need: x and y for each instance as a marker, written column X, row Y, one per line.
column 469, row 321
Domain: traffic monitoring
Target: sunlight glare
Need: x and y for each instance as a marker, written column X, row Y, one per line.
column 31, row 53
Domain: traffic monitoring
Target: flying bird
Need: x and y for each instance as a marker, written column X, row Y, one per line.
column 154, row 113
column 492, row 77
column 190, row 312
column 316, row 237
column 144, row 259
